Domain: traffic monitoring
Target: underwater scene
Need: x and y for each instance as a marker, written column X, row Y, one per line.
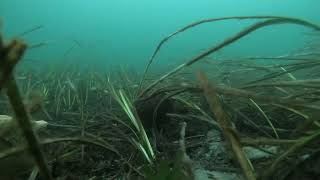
column 159, row 90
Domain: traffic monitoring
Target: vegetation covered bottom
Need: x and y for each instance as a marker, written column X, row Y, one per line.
column 217, row 119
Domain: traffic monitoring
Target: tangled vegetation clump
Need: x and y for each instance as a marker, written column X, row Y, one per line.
column 247, row 122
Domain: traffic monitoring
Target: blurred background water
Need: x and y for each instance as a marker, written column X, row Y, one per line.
column 106, row 33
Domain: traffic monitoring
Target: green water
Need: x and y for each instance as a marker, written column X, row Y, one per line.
column 125, row 32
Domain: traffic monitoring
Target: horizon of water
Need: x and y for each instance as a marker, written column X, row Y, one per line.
column 124, row 32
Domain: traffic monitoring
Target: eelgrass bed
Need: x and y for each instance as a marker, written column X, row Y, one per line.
column 253, row 122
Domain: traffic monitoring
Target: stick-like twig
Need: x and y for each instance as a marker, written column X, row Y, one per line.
column 26, row 127
column 10, row 54
column 9, row 57
column 35, row 28
column 231, row 40
column 228, row 130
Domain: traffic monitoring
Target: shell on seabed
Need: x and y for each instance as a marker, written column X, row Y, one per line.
column 20, row 162
column 7, row 123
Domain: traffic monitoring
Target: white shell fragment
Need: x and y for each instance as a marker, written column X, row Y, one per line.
column 8, row 125
column 39, row 125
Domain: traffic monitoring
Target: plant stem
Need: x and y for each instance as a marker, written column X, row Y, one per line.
column 26, row 127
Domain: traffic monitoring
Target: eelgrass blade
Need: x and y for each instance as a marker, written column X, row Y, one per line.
column 229, row 41
column 192, row 25
column 266, row 118
column 141, row 139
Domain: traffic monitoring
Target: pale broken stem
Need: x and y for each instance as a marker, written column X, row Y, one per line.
column 290, row 75
column 231, row 40
column 228, row 130
column 184, row 159
column 182, row 137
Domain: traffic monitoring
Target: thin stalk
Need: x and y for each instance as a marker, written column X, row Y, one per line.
column 291, row 69
column 83, row 126
column 26, row 127
column 96, row 142
column 35, row 28
column 308, row 83
column 266, row 117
